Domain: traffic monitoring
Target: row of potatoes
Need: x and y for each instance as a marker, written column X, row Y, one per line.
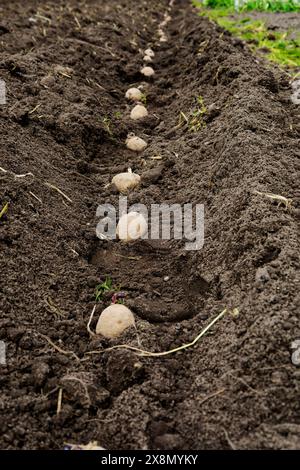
column 133, row 225
column 117, row 317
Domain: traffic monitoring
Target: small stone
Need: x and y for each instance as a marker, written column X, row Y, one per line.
column 262, row 275
column 40, row 372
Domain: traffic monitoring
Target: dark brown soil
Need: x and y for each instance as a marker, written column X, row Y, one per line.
column 237, row 387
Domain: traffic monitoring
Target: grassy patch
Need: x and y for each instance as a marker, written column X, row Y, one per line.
column 278, row 46
column 260, row 5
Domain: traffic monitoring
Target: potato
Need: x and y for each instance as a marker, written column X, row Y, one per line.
column 149, row 52
column 138, row 112
column 124, row 182
column 131, row 226
column 135, row 143
column 114, row 320
column 134, row 94
column 147, row 71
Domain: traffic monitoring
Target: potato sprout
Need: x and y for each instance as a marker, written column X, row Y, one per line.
column 131, row 226
column 147, row 71
column 138, row 112
column 134, row 94
column 135, row 143
column 114, row 320
column 124, row 182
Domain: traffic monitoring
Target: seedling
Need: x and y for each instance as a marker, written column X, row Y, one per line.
column 107, row 123
column 194, row 119
column 101, row 289
column 143, row 99
column 107, row 286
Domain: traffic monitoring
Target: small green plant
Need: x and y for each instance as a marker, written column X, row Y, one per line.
column 118, row 115
column 107, row 125
column 144, row 99
column 117, row 297
column 101, row 289
column 194, row 119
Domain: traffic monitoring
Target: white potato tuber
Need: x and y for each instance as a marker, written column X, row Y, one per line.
column 124, row 182
column 149, row 52
column 138, row 112
column 147, row 71
column 114, row 320
column 135, row 143
column 131, row 226
column 134, row 94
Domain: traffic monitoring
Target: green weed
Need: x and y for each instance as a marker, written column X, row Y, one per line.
column 194, row 119
column 108, row 287
column 260, row 5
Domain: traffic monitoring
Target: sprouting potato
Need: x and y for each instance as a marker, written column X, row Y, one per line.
column 124, row 182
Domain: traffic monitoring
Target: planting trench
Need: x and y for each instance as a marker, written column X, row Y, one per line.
column 64, row 129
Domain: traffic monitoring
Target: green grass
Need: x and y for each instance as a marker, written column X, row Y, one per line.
column 282, row 50
column 101, row 289
column 261, row 5
column 107, row 287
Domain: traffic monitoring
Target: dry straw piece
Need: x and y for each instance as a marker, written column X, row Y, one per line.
column 135, row 143
column 138, row 112
column 124, row 182
column 131, row 226
column 114, row 320
column 134, row 94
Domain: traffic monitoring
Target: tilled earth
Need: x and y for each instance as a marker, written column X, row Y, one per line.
column 67, row 68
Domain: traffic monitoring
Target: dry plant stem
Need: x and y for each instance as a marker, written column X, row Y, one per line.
column 84, row 386
column 62, row 351
column 59, row 401
column 4, row 210
column 90, row 321
column 231, row 445
column 49, row 185
column 35, row 197
column 276, row 197
column 164, row 353
column 212, row 395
